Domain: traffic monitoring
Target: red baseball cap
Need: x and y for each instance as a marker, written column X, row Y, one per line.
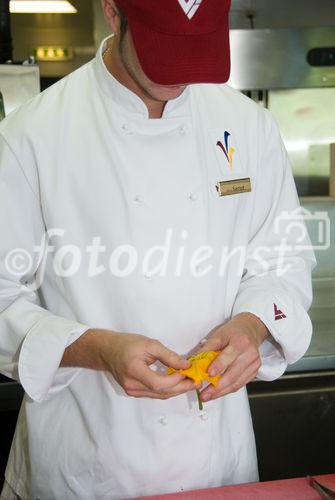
column 180, row 41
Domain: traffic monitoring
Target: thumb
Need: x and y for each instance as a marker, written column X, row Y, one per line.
column 213, row 343
column 170, row 358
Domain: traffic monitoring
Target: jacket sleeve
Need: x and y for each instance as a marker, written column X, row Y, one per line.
column 32, row 339
column 276, row 284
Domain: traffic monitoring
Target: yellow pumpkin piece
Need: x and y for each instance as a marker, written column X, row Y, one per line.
column 198, row 370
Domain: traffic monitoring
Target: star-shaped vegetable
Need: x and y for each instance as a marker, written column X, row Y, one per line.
column 198, row 370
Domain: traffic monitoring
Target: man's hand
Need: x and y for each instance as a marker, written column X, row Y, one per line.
column 239, row 341
column 128, row 357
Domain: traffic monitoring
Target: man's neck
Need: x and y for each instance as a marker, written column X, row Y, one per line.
column 117, row 69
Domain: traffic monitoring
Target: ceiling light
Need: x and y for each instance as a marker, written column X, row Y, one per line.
column 41, row 6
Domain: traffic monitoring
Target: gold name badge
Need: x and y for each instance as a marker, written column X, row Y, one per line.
column 234, row 186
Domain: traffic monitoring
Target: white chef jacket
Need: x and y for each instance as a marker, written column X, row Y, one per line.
column 84, row 157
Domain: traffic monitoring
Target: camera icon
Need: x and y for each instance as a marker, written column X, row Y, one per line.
column 304, row 229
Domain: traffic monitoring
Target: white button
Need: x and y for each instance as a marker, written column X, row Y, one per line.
column 148, row 276
column 126, row 128
column 163, row 420
column 199, row 268
column 182, row 130
column 204, row 416
column 192, row 196
column 139, row 199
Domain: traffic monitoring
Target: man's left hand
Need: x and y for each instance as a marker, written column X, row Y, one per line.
column 238, row 340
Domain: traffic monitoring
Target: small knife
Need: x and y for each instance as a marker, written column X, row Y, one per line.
column 325, row 492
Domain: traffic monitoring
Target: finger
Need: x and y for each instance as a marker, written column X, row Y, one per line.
column 182, row 388
column 249, row 375
column 155, row 381
column 238, row 368
column 223, row 361
column 135, row 386
column 229, row 378
column 149, row 394
column 234, row 374
column 236, row 377
column 169, row 358
column 242, row 381
column 145, row 393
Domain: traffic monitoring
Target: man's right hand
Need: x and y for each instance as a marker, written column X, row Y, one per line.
column 128, row 358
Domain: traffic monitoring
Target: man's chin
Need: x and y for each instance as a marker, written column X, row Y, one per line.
column 167, row 93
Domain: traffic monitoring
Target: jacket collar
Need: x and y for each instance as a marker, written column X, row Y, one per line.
column 127, row 99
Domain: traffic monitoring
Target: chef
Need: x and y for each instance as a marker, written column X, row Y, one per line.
column 147, row 211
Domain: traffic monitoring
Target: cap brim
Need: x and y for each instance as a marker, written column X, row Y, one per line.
column 182, row 59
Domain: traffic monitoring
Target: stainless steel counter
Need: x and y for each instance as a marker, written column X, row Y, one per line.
column 321, row 353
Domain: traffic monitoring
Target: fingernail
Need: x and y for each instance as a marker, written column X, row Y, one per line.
column 206, row 397
column 212, row 372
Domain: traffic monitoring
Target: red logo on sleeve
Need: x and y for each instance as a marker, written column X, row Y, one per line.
column 278, row 313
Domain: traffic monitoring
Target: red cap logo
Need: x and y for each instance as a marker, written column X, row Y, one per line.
column 190, row 7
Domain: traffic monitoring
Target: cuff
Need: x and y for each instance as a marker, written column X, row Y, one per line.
column 41, row 353
column 288, row 323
